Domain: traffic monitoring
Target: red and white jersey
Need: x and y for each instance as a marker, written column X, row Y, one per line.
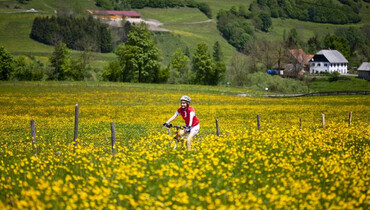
column 186, row 115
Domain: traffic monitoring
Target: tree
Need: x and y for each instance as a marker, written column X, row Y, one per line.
column 204, row 7
column 265, row 54
column 314, row 44
column 60, row 62
column 266, row 21
column 179, row 70
column 338, row 43
column 217, row 52
column 354, row 36
column 292, row 40
column 239, row 69
column 218, row 73
column 6, row 64
column 140, row 57
column 203, row 65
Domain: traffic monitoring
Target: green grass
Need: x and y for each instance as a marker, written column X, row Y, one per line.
column 217, row 5
column 353, row 84
column 173, row 15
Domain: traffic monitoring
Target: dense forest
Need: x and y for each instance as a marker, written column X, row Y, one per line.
column 323, row 11
column 139, row 4
column 78, row 33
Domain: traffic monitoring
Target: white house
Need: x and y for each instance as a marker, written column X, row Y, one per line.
column 328, row 61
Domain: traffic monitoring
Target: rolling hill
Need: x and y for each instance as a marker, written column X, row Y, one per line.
column 188, row 27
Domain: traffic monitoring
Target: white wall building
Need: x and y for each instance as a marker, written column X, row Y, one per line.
column 328, row 61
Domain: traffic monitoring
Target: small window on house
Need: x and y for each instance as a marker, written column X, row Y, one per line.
column 325, row 64
column 313, row 64
column 318, row 64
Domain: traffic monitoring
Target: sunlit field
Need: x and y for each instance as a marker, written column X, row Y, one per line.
column 282, row 166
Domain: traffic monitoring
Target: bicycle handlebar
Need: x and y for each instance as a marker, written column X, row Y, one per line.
column 177, row 126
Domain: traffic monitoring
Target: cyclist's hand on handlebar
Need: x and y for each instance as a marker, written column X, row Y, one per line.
column 187, row 128
column 166, row 125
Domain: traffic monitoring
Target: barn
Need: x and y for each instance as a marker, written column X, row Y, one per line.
column 364, row 71
column 115, row 15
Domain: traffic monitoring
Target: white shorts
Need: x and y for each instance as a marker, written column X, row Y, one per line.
column 195, row 128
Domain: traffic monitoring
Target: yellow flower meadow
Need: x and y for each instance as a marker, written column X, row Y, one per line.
column 282, row 166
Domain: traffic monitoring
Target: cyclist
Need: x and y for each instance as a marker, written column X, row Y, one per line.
column 188, row 114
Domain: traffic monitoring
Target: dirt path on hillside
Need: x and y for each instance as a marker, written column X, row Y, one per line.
column 200, row 22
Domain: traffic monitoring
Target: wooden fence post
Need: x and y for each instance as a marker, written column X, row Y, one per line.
column 323, row 121
column 217, row 128
column 300, row 123
column 76, row 125
column 350, row 119
column 113, row 129
column 33, row 133
column 258, row 122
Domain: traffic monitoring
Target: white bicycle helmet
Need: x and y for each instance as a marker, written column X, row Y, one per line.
column 185, row 98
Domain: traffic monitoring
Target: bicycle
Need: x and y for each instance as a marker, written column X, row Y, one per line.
column 180, row 132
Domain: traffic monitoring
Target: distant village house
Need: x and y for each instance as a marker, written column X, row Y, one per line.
column 117, row 16
column 328, row 61
column 295, row 64
column 364, row 71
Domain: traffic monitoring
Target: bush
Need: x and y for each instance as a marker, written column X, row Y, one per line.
column 26, row 69
column 112, row 72
column 334, row 76
column 261, row 81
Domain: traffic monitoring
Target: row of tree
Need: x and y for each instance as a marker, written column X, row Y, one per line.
column 139, row 4
column 323, row 11
column 79, row 33
column 139, row 60
column 62, row 66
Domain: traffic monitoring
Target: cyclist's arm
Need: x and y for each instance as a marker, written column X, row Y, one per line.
column 192, row 114
column 173, row 117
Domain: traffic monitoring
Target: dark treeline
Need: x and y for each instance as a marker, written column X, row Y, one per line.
column 323, row 11
column 77, row 33
column 139, row 4
column 234, row 27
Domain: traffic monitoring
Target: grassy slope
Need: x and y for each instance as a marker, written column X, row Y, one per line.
column 183, row 23
column 322, row 85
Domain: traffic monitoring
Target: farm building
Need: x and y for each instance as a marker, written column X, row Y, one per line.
column 130, row 16
column 328, row 61
column 364, row 71
column 297, row 63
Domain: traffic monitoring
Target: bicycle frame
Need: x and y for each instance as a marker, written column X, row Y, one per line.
column 180, row 132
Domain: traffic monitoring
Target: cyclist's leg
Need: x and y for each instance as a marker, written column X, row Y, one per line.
column 194, row 131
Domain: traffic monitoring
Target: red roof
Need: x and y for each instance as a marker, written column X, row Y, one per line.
column 300, row 55
column 110, row 12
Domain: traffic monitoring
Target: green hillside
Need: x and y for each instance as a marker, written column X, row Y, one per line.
column 188, row 27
